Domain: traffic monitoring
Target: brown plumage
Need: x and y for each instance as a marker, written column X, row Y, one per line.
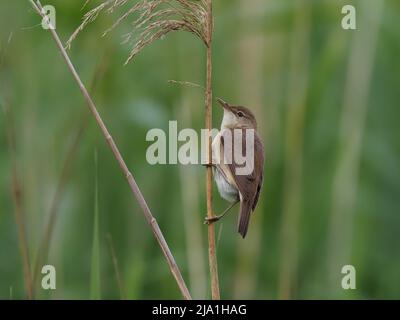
column 231, row 185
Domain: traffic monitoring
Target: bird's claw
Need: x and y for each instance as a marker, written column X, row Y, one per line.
column 208, row 220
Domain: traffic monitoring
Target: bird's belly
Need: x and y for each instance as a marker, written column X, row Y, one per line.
column 226, row 190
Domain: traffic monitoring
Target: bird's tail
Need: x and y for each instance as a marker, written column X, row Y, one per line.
column 244, row 218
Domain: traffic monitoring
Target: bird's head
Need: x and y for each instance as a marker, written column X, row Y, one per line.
column 237, row 117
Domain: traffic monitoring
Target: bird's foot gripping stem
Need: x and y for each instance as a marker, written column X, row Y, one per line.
column 212, row 220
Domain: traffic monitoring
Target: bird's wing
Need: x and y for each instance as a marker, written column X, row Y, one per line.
column 258, row 163
column 249, row 185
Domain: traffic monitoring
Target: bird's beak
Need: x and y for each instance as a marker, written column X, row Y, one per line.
column 223, row 104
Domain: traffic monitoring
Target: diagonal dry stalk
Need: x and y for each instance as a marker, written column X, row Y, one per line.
column 132, row 183
column 157, row 18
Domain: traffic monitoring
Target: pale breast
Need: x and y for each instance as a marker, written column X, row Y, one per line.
column 222, row 175
column 225, row 189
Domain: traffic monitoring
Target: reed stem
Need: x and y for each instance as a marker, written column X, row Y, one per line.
column 212, row 255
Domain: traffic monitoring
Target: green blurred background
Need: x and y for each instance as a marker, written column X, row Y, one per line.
column 327, row 103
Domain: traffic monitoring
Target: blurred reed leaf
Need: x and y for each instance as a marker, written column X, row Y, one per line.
column 116, row 267
column 95, row 293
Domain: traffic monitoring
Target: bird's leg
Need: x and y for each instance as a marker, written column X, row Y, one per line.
column 217, row 218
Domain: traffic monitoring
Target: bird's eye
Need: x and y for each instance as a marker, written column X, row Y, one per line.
column 240, row 114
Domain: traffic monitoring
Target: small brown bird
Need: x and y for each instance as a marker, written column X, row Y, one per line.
column 233, row 185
